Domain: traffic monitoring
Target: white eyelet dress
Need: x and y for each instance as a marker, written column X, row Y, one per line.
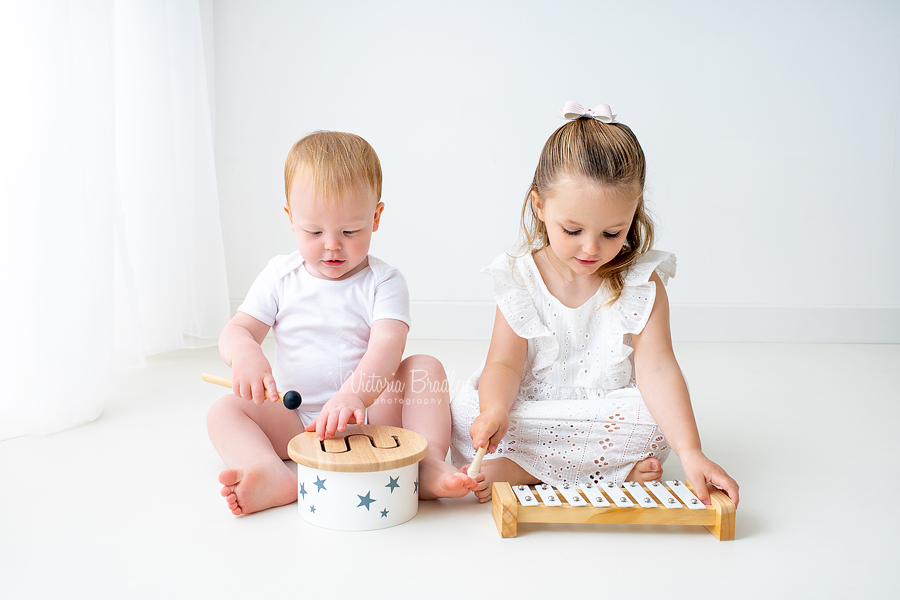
column 578, row 417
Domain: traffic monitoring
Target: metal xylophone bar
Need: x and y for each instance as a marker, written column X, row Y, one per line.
column 655, row 504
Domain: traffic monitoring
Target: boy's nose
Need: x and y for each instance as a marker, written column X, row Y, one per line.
column 332, row 243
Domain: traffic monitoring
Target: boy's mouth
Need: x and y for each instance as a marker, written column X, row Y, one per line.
column 333, row 263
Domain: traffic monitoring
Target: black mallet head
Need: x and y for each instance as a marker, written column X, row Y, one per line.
column 292, row 400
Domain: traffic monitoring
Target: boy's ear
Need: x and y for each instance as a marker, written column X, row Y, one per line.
column 537, row 205
column 287, row 209
column 378, row 209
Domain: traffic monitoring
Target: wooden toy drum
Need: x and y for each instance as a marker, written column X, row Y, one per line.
column 366, row 477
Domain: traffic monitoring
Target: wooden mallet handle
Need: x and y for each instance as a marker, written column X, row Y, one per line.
column 475, row 467
column 225, row 382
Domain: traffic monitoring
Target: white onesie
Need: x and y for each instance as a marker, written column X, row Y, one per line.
column 322, row 326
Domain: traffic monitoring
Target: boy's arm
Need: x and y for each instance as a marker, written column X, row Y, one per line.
column 240, row 348
column 377, row 368
column 665, row 393
column 499, row 383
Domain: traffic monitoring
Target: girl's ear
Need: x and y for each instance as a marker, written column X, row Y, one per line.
column 378, row 210
column 537, row 205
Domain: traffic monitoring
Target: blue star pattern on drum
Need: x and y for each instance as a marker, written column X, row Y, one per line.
column 365, row 500
column 357, row 501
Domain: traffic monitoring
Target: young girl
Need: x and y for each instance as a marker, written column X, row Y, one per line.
column 580, row 384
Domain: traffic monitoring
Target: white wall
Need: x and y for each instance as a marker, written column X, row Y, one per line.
column 771, row 130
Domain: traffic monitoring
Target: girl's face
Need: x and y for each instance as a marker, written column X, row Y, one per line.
column 587, row 223
column 333, row 237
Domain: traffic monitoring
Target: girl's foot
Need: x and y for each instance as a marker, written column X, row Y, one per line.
column 257, row 488
column 645, row 471
column 438, row 479
column 498, row 469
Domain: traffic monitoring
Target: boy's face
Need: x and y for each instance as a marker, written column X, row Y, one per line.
column 333, row 238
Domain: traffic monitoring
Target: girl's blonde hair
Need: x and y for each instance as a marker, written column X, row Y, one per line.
column 335, row 162
column 608, row 154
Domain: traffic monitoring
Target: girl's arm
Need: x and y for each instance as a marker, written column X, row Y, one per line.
column 499, row 383
column 379, row 364
column 240, row 348
column 666, row 395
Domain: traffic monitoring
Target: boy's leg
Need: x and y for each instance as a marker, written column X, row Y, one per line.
column 252, row 440
column 418, row 399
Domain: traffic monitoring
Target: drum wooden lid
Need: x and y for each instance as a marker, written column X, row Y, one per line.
column 359, row 449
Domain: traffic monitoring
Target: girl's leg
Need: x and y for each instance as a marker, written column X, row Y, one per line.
column 419, row 400
column 499, row 469
column 649, row 469
column 252, row 440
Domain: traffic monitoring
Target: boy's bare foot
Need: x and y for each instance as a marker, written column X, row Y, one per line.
column 438, row 479
column 257, row 488
column 499, row 469
column 645, row 471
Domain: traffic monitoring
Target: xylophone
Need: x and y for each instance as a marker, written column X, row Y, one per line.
column 654, row 504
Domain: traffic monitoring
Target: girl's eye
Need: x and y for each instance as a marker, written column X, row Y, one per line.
column 568, row 232
column 609, row 235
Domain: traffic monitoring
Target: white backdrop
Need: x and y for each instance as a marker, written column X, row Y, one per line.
column 110, row 244
column 771, row 130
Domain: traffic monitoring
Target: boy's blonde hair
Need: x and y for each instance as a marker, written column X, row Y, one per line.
column 335, row 162
column 608, row 154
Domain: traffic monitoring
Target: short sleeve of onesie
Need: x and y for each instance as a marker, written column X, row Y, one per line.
column 262, row 299
column 391, row 293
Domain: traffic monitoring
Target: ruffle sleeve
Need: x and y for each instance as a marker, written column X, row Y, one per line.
column 516, row 292
column 639, row 293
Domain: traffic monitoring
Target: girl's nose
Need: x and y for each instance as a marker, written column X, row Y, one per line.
column 591, row 247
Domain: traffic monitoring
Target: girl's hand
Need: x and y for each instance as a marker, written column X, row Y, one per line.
column 699, row 470
column 251, row 377
column 489, row 428
column 337, row 413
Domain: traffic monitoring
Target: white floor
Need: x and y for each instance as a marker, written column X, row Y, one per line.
column 128, row 506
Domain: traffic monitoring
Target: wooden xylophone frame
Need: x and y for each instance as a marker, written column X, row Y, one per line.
column 718, row 517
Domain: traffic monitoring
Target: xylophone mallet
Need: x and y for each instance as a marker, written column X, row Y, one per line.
column 475, row 467
column 291, row 399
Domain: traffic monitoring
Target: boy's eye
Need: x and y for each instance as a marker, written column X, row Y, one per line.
column 351, row 232
column 570, row 232
column 607, row 234
column 313, row 232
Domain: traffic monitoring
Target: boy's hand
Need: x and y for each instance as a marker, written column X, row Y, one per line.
column 337, row 413
column 699, row 470
column 489, row 428
column 251, row 378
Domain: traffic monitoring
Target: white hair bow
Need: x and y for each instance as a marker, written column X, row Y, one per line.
column 601, row 112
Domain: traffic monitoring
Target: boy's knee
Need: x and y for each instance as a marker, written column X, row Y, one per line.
column 423, row 365
column 223, row 406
